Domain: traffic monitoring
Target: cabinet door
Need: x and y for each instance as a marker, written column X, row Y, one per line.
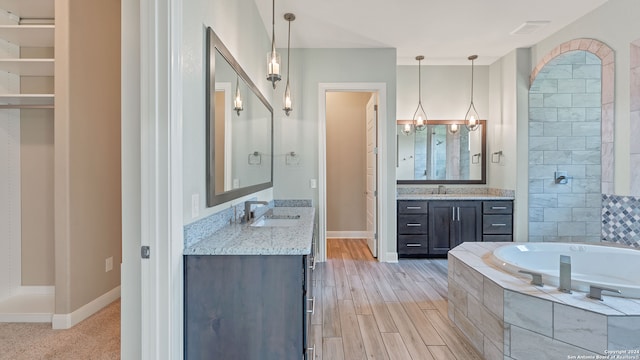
column 469, row 222
column 440, row 226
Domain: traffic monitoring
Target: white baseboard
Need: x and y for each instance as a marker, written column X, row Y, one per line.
column 391, row 257
column 347, row 234
column 36, row 290
column 66, row 321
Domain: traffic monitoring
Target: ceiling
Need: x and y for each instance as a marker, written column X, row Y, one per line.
column 446, row 32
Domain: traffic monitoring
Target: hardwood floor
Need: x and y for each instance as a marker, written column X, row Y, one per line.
column 370, row 310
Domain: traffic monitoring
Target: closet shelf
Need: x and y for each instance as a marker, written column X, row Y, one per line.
column 28, row 67
column 25, row 101
column 28, row 35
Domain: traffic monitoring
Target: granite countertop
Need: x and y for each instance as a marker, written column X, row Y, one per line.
column 244, row 239
column 452, row 197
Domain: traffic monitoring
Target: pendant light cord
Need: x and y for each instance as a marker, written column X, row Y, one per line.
column 288, row 50
column 273, row 27
column 419, row 82
column 472, row 60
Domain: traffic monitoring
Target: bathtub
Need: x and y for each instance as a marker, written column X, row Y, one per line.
column 608, row 266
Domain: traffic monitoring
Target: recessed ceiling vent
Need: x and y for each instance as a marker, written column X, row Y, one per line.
column 529, row 27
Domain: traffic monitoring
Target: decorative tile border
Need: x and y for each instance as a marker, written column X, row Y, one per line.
column 292, row 203
column 621, row 219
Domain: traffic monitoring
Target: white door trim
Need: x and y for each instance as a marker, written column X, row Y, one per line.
column 161, row 179
column 381, row 90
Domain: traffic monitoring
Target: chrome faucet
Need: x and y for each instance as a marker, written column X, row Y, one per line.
column 247, row 208
column 565, row 274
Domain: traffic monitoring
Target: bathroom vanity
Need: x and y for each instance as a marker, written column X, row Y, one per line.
column 431, row 225
column 248, row 289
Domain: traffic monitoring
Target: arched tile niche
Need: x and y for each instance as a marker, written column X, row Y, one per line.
column 563, row 136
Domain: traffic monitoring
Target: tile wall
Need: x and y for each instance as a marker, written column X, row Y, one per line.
column 635, row 117
column 565, row 135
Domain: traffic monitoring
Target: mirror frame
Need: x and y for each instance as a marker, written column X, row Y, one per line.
column 213, row 44
column 483, row 160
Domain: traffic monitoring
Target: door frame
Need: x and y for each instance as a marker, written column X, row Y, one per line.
column 381, row 90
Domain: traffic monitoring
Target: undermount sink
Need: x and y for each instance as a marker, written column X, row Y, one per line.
column 276, row 221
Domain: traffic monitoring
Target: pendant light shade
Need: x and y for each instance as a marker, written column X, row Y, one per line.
column 471, row 118
column 419, row 116
column 237, row 100
column 407, row 129
column 273, row 58
column 287, row 90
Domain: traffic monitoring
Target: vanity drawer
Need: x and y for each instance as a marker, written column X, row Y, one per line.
column 497, row 238
column 412, row 224
column 412, row 245
column 497, row 207
column 497, row 224
column 412, row 207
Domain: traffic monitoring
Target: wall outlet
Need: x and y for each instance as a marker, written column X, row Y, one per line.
column 108, row 264
column 195, row 205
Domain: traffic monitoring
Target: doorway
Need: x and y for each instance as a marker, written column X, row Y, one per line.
column 369, row 196
column 351, row 123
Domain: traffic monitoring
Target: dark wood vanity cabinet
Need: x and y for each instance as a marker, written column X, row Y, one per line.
column 247, row 306
column 497, row 221
column 451, row 223
column 433, row 227
column 412, row 228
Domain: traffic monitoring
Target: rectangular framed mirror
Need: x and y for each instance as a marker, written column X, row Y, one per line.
column 239, row 128
column 446, row 152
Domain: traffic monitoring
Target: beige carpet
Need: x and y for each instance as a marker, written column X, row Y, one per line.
column 97, row 337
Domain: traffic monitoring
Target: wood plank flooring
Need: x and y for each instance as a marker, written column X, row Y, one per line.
column 371, row 310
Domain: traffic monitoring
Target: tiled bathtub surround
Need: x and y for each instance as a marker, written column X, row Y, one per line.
column 505, row 317
column 621, row 219
column 565, row 135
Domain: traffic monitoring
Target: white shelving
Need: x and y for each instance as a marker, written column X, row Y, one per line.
column 28, row 67
column 16, row 101
column 34, row 9
column 28, row 35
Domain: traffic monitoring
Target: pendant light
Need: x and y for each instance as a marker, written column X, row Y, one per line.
column 237, row 101
column 471, row 118
column 287, row 90
column 273, row 58
column 407, row 129
column 419, row 116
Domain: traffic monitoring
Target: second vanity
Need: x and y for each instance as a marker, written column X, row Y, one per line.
column 248, row 289
column 432, row 224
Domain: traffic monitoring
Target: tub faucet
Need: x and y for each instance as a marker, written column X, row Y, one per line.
column 565, row 274
column 247, row 208
column 595, row 292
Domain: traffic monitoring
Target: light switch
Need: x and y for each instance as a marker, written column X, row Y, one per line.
column 195, row 205
column 313, row 183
